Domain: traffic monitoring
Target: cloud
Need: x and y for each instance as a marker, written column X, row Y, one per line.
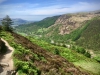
column 61, row 9
column 1, row 1
column 24, row 10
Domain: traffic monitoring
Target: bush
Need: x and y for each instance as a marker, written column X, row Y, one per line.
column 87, row 54
column 81, row 50
column 56, row 51
column 97, row 58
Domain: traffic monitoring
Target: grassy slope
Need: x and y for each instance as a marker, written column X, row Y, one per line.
column 74, row 57
column 22, row 65
column 73, row 36
column 90, row 37
column 36, row 60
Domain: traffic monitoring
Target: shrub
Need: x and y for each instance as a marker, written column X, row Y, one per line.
column 81, row 50
column 97, row 58
column 56, row 51
column 87, row 54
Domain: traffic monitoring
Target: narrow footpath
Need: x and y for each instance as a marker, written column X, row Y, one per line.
column 6, row 62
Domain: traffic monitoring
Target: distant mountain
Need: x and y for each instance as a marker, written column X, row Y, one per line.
column 33, row 27
column 59, row 28
column 18, row 21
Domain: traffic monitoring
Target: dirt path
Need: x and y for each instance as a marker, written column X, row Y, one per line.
column 7, row 58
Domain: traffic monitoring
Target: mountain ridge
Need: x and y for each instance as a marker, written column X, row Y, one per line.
column 66, row 23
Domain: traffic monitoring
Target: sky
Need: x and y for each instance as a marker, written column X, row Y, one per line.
column 34, row 10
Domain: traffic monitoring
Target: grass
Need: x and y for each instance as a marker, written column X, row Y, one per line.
column 78, row 59
column 90, row 66
column 90, row 36
column 69, row 54
column 22, row 65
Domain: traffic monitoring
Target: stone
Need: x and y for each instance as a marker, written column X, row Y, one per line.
column 4, row 64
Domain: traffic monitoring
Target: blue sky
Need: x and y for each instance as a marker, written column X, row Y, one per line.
column 38, row 9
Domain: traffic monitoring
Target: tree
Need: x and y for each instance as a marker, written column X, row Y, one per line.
column 7, row 22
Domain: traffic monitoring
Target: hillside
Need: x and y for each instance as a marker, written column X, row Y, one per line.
column 89, row 38
column 31, row 59
column 65, row 25
column 37, row 27
column 56, row 28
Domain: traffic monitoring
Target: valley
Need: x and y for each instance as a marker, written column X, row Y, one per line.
column 70, row 29
column 49, row 37
column 60, row 45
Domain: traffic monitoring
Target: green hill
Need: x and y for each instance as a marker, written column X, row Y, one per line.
column 60, row 29
column 37, row 27
column 90, row 36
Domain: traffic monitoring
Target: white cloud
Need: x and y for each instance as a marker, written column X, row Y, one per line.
column 1, row 1
column 60, row 9
column 25, row 9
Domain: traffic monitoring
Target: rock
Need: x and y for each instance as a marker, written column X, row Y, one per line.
column 4, row 73
column 8, row 72
column 4, row 64
column 70, row 22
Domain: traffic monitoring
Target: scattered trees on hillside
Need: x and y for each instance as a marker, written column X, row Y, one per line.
column 81, row 50
column 6, row 24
